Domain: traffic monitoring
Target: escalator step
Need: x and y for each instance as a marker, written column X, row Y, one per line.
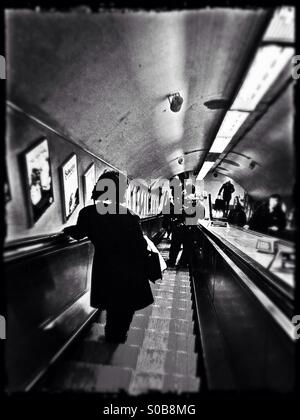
column 103, row 353
column 145, row 359
column 168, row 288
column 167, row 362
column 143, row 382
column 178, row 302
column 173, row 288
column 169, row 341
column 87, row 377
column 172, row 312
column 174, row 279
column 96, row 332
column 167, row 292
column 172, row 325
column 166, row 312
column 161, row 340
column 159, row 353
column 135, row 337
column 163, row 324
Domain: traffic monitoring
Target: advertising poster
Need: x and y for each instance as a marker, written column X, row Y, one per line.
column 89, row 179
column 70, row 186
column 39, row 179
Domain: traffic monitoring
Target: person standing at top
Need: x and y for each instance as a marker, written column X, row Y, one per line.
column 119, row 281
column 184, row 227
column 193, row 211
column 227, row 189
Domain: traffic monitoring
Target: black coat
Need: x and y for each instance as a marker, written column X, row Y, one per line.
column 227, row 189
column 118, row 275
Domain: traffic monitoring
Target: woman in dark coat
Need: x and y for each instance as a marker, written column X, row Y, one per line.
column 119, row 282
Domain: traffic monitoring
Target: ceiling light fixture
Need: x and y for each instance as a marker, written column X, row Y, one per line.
column 219, row 144
column 282, row 26
column 268, row 63
column 231, row 124
column 207, row 165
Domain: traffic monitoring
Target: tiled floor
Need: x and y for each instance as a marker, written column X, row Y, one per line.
column 159, row 353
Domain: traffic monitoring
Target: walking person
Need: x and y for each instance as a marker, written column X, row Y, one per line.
column 178, row 236
column 119, row 281
column 227, row 189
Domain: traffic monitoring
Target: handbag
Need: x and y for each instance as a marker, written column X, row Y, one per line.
column 219, row 203
column 153, row 269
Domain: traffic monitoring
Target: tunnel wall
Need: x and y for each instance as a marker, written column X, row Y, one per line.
column 22, row 132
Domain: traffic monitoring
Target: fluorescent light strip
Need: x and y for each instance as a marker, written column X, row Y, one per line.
column 282, row 26
column 268, row 63
column 219, row 144
column 205, row 168
column 232, row 122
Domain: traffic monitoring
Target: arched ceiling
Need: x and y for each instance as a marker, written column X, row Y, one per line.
column 103, row 79
column 262, row 161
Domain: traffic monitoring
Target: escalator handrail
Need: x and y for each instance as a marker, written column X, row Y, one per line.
column 274, row 311
column 40, row 244
column 269, row 278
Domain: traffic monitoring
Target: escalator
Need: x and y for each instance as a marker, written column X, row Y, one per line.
column 159, row 354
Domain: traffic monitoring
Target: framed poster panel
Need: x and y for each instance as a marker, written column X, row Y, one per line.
column 70, row 186
column 89, row 180
column 39, row 183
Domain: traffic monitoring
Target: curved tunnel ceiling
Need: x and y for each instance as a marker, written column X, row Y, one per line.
column 103, row 79
column 265, row 155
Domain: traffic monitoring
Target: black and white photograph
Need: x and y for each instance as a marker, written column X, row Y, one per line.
column 158, row 272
